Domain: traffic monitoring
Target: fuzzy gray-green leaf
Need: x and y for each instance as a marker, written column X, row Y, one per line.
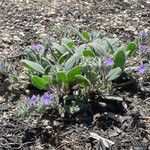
column 83, row 81
column 114, row 74
column 33, row 66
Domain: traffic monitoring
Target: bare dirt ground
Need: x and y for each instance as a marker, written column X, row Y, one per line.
column 23, row 22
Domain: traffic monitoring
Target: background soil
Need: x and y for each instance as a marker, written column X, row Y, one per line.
column 24, row 22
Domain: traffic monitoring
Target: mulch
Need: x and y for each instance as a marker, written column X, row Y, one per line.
column 23, row 23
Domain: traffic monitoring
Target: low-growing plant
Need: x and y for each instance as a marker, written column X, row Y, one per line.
column 38, row 103
column 80, row 63
column 7, row 69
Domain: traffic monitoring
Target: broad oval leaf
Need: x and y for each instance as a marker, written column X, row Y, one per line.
column 61, row 77
column 120, row 59
column 73, row 72
column 114, row 74
column 86, row 35
column 39, row 82
column 75, row 58
column 70, row 44
column 33, row 66
column 131, row 48
column 46, row 78
column 83, row 81
column 31, row 56
column 67, row 48
column 63, row 57
column 45, row 62
column 47, row 70
column 88, row 53
column 58, row 47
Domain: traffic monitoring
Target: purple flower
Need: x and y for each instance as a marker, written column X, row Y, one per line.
column 2, row 66
column 33, row 100
column 37, row 47
column 143, row 34
column 144, row 48
column 47, row 98
column 108, row 61
column 141, row 69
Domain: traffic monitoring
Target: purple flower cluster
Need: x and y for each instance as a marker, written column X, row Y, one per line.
column 37, row 47
column 46, row 99
column 143, row 34
column 33, row 100
column 108, row 61
column 142, row 68
column 2, row 66
column 144, row 48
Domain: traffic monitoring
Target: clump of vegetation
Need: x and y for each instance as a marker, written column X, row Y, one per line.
column 7, row 69
column 77, row 64
column 69, row 65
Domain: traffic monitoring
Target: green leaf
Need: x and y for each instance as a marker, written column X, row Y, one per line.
column 88, row 53
column 101, row 46
column 86, row 35
column 67, row 48
column 120, row 59
column 83, row 81
column 75, row 58
column 110, row 47
column 58, row 47
column 47, row 69
column 63, row 57
column 39, row 82
column 31, row 56
column 70, row 44
column 74, row 30
column 72, row 73
column 93, row 76
column 46, row 78
column 131, row 48
column 61, row 77
column 45, row 62
column 33, row 66
column 114, row 74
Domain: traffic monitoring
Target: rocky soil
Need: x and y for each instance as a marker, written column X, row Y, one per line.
column 23, row 22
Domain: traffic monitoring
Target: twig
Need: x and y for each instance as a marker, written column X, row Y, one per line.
column 66, row 143
column 147, row 99
column 124, row 84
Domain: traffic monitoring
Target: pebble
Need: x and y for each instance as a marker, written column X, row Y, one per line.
column 2, row 99
column 16, row 38
column 6, row 39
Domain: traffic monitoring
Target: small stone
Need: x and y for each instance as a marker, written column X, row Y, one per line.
column 45, row 122
column 148, row 2
column 130, row 28
column 6, row 40
column 129, row 99
column 48, row 127
column 27, row 91
column 21, row 33
column 16, row 38
column 1, row 99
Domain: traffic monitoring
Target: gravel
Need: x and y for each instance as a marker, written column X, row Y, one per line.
column 23, row 22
